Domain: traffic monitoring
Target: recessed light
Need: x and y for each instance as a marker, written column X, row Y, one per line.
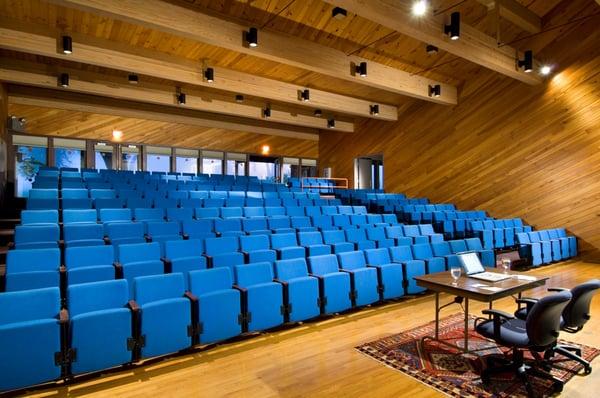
column 117, row 135
column 133, row 78
column 239, row 98
column 318, row 113
column 339, row 13
column 419, row 8
column 545, row 70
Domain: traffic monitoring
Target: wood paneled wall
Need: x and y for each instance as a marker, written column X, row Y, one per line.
column 508, row 148
column 3, row 145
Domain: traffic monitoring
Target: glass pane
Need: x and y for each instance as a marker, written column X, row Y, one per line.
column 262, row 170
column 158, row 163
column 27, row 163
column 129, row 161
column 186, row 165
column 104, row 160
column 380, row 176
column 212, row 166
column 241, row 168
column 69, row 157
column 309, row 171
column 230, row 168
column 286, row 171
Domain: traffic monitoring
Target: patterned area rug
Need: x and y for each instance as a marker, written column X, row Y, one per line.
column 438, row 366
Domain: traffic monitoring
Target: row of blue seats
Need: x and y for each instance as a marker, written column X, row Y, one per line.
column 128, row 174
column 193, row 185
column 105, row 203
column 497, row 233
column 546, row 246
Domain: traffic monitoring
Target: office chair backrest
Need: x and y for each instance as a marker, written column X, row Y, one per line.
column 543, row 321
column 577, row 312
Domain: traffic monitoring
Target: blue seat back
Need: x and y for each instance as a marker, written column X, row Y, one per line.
column 29, row 305
column 124, row 230
column 310, row 238
column 441, row 249
column 210, row 280
column 321, row 265
column 158, row 228
column 39, row 217
column 31, row 260
column 378, row 256
column 279, row 241
column 112, row 215
column 254, row 242
column 225, row 244
column 138, row 252
column 253, row 274
column 290, row 269
column 175, row 249
column 158, row 287
column 401, row 254
column 87, row 256
column 458, row 246
column 352, row 260
column 36, row 233
column 79, row 216
column 97, row 296
column 333, row 237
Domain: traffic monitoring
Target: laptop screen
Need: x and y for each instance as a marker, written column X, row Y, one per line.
column 471, row 263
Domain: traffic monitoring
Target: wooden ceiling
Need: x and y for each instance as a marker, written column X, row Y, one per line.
column 306, row 19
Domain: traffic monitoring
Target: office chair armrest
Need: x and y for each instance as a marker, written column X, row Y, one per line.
column 498, row 314
column 526, row 300
column 557, row 289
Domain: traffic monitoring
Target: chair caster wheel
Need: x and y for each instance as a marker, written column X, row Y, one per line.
column 557, row 386
column 588, row 370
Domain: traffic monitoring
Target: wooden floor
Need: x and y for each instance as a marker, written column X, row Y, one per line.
column 318, row 359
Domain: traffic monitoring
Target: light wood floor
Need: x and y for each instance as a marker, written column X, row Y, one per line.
column 318, row 359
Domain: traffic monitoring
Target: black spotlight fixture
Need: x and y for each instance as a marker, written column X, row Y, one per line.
column 527, row 62
column 133, row 78
column 318, row 113
column 435, row 91
column 431, row 49
column 239, row 98
column 374, row 109
column 63, row 80
column 267, row 112
column 331, row 123
column 453, row 30
column 252, row 37
column 305, row 95
column 361, row 69
column 67, row 45
column 181, row 98
column 209, row 75
column 339, row 13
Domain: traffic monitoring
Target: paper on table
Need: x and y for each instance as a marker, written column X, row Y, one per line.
column 525, row 277
column 492, row 288
column 480, row 285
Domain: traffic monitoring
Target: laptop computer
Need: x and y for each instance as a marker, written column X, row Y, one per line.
column 474, row 269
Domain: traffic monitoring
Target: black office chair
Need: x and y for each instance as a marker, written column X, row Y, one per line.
column 574, row 316
column 536, row 334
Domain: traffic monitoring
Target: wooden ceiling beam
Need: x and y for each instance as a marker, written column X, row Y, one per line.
column 516, row 13
column 288, row 50
column 473, row 45
column 46, row 76
column 39, row 40
column 47, row 98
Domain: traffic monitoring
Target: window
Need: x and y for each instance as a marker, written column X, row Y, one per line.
column 309, row 168
column 262, row 167
column 30, row 153
column 130, row 158
column 212, row 162
column 158, row 159
column 69, row 153
column 186, row 161
column 290, row 168
column 236, row 164
column 103, row 156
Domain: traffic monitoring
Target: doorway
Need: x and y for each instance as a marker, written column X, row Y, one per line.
column 368, row 172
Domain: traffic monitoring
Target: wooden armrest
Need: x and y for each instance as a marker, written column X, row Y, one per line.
column 133, row 305
column 168, row 264
column 63, row 316
column 191, row 296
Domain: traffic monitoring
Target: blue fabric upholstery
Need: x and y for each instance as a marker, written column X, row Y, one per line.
column 89, row 264
column 442, row 249
column 411, row 267
column 229, row 227
column 114, row 215
column 390, row 275
column 412, row 231
column 29, row 217
column 363, row 280
column 337, row 240
column 257, row 249
column 488, row 258
column 185, row 256
column 36, row 236
column 224, row 252
column 358, row 236
column 301, row 291
column 73, row 216
column 377, row 234
column 199, row 229
column 82, row 234
column 286, row 246
column 334, row 286
column 423, row 252
column 313, row 242
column 256, row 226
column 32, row 269
column 139, row 259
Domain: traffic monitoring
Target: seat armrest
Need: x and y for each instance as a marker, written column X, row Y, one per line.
column 190, row 296
column 118, row 270
column 185, row 236
column 63, row 317
column 209, row 261
column 148, row 238
column 498, row 313
column 195, row 329
column 107, row 240
column 168, row 264
column 11, row 245
column 557, row 289
column 246, row 257
column 526, row 300
column 243, row 319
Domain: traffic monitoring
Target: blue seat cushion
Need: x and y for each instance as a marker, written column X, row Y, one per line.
column 219, row 311
column 365, row 285
column 287, row 253
column 392, row 276
column 32, row 280
column 165, row 326
column 303, row 294
column 336, row 289
column 318, row 250
column 264, row 305
column 90, row 274
column 258, row 256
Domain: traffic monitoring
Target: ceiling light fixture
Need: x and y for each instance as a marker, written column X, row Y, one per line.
column 527, row 62
column 545, row 70
column 453, row 30
column 67, row 45
column 419, row 8
column 117, row 135
column 239, row 98
column 63, row 80
column 431, row 49
column 318, row 113
column 252, row 37
column 209, row 75
column 267, row 112
column 265, row 150
column 133, row 78
column 305, row 95
column 331, row 123
column 435, row 91
column 361, row 69
column 374, row 109
column 339, row 13
column 181, row 98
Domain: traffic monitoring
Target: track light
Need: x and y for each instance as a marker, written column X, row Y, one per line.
column 339, row 13
column 361, row 69
column 252, row 37
column 318, row 113
column 545, row 70
column 305, row 95
column 431, row 49
column 63, row 80
column 527, row 62
column 181, row 98
column 419, row 8
column 117, row 135
column 239, row 98
column 331, row 123
column 267, row 112
column 67, row 45
column 374, row 109
column 133, row 79
column 435, row 91
column 453, row 30
column 209, row 75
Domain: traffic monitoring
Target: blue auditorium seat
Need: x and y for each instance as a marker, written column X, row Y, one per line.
column 114, row 215
column 256, row 226
column 554, row 244
column 443, row 249
column 302, row 224
column 84, row 203
column 358, row 237
column 223, row 252
column 562, row 233
column 256, row 248
column 412, row 231
column 139, row 203
column 546, row 247
column 100, row 325
column 198, row 229
column 190, row 202
column 138, row 259
column 359, row 210
column 396, row 232
column 36, row 217
column 427, row 230
column 211, row 213
column 184, row 256
column 345, row 210
column 358, row 220
column 411, row 267
column 286, row 246
column 89, row 264
column 488, row 258
column 337, row 240
column 334, row 285
column 166, row 314
column 509, row 232
column 219, row 305
column 229, row 227
column 324, row 223
column 329, row 210
column 77, row 216
column 364, row 282
column 498, row 233
column 564, row 243
column 341, row 221
column 42, row 204
column 180, row 214
column 106, row 203
column 163, row 231
column 422, row 251
column 389, row 275
column 300, row 291
column 486, row 236
column 254, row 211
column 74, row 193
column 124, row 232
column 280, row 225
column 231, row 212
column 377, row 234
column 30, row 337
column 36, row 236
column 262, row 299
column 145, row 214
column 272, row 211
column 82, row 234
column 32, row 269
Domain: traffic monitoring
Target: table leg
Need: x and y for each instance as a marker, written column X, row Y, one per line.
column 437, row 314
column 466, row 323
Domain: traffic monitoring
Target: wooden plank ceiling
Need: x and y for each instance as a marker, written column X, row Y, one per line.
column 306, row 19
